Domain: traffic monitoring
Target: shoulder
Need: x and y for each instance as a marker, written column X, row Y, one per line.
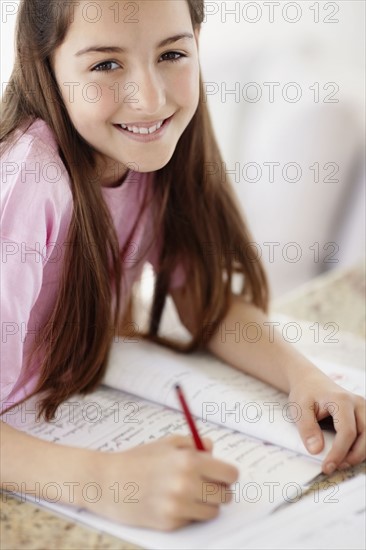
column 35, row 185
column 32, row 137
column 35, row 144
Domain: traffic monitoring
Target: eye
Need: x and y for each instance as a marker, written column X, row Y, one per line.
column 100, row 66
column 181, row 55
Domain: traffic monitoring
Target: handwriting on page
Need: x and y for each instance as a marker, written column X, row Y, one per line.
column 337, row 520
column 217, row 392
column 112, row 420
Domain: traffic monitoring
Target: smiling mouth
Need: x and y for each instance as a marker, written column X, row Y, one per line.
column 142, row 130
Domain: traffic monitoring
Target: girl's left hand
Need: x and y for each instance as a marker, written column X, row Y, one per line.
column 318, row 396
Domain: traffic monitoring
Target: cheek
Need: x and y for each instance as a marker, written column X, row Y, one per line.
column 89, row 98
column 185, row 86
column 100, row 100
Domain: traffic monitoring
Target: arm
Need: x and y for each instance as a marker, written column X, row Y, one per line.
column 160, row 474
column 270, row 359
column 28, row 464
column 278, row 363
column 248, row 341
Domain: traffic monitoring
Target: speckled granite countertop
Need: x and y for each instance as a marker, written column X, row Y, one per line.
column 337, row 297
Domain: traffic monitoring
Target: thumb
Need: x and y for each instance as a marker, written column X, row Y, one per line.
column 309, row 429
column 208, row 444
column 181, row 441
column 187, row 441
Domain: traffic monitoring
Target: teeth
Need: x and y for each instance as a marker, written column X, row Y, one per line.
column 142, row 130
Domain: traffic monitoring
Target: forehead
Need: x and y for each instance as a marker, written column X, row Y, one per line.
column 131, row 20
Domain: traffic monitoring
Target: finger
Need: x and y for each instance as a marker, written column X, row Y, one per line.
column 198, row 511
column 208, row 444
column 309, row 429
column 195, row 503
column 187, row 441
column 346, row 432
column 215, row 493
column 357, row 452
column 181, row 441
column 210, row 492
column 196, row 489
column 219, row 471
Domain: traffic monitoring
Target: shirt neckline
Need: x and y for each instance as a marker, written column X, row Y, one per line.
column 122, row 186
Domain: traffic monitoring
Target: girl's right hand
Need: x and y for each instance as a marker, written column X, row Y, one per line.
column 163, row 485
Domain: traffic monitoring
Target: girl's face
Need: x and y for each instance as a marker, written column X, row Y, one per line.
column 134, row 79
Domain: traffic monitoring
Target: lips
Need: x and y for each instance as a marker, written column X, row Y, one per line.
column 146, row 136
column 142, row 130
column 145, row 125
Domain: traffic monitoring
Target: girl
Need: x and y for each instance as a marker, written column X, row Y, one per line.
column 107, row 143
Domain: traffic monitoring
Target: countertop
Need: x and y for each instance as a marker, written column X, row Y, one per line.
column 337, row 297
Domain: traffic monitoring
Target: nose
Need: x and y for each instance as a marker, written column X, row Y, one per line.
column 146, row 92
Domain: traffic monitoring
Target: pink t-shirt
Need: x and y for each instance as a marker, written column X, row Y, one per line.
column 36, row 210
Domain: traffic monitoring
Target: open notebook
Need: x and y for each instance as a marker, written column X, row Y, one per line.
column 248, row 420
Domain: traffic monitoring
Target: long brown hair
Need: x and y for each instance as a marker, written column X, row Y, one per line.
column 197, row 210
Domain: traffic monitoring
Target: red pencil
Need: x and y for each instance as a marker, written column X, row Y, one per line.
column 189, row 418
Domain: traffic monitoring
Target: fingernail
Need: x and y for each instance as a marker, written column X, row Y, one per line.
column 329, row 468
column 344, row 466
column 312, row 443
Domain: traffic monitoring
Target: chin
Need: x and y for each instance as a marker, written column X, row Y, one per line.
column 154, row 165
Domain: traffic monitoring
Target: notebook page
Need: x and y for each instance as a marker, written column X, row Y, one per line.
column 216, row 391
column 331, row 518
column 109, row 420
column 112, row 420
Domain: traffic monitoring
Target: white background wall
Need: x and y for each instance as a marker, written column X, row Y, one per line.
column 250, row 46
column 302, row 224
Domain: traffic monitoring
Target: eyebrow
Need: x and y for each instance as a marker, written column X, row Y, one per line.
column 117, row 49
